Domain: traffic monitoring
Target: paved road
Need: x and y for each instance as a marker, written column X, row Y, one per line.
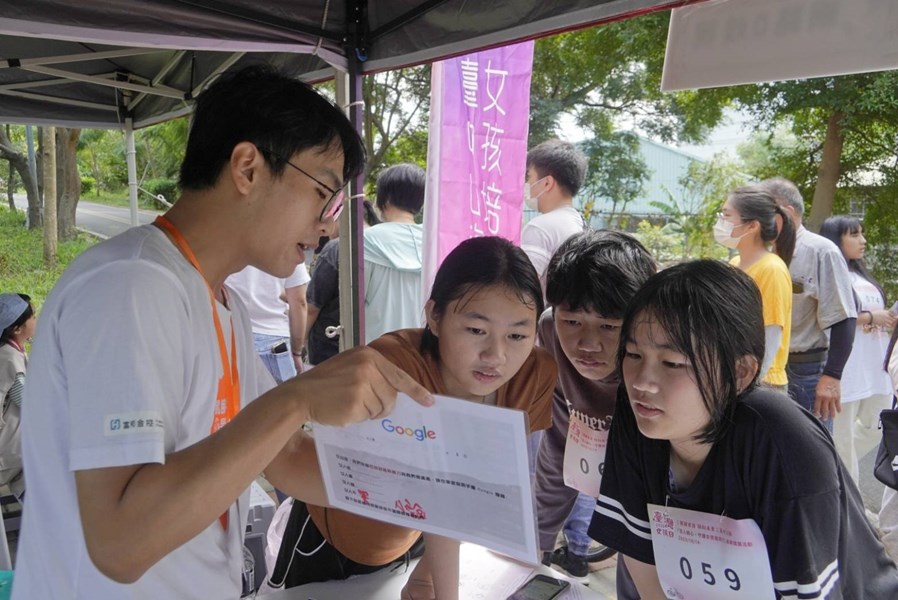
column 100, row 219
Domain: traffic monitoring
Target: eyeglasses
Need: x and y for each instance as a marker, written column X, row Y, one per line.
column 334, row 205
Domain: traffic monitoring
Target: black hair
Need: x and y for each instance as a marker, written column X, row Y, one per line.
column 710, row 313
column 280, row 115
column 371, row 217
column 598, row 271
column 833, row 229
column 891, row 348
column 754, row 203
column 401, row 186
column 562, row 160
column 477, row 263
column 6, row 334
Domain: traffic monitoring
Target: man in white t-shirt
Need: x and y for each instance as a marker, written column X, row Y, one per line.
column 279, row 324
column 555, row 172
column 151, row 414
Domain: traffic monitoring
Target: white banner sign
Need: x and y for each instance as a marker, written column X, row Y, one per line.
column 456, row 469
column 729, row 42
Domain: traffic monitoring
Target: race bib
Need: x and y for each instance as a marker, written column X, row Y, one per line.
column 584, row 457
column 700, row 556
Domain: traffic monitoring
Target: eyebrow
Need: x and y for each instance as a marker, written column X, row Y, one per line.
column 480, row 317
column 332, row 175
column 670, row 347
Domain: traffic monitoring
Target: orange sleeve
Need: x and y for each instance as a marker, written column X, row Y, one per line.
column 543, row 385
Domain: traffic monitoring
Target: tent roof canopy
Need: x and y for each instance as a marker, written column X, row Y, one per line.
column 96, row 63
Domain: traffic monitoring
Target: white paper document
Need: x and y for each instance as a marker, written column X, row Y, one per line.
column 456, row 468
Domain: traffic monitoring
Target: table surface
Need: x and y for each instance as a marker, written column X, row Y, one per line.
column 484, row 576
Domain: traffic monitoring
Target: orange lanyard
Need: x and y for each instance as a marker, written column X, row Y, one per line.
column 227, row 401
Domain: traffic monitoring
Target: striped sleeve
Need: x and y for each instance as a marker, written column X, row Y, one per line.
column 15, row 392
column 821, row 587
column 803, row 538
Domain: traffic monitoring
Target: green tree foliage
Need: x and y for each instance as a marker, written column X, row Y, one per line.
column 616, row 170
column 397, row 105
column 101, row 154
column 161, row 149
column 608, row 79
column 845, row 130
column 691, row 217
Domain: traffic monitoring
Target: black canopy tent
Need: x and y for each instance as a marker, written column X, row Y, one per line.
column 129, row 64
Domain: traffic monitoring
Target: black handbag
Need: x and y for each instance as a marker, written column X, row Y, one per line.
column 886, row 466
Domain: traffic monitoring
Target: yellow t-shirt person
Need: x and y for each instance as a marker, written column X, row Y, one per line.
column 772, row 277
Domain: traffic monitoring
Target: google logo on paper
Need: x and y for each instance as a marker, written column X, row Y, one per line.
column 420, row 434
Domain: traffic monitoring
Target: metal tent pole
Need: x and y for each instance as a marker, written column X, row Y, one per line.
column 131, row 159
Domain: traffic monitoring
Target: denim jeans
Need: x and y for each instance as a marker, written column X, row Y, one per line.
column 803, row 379
column 577, row 524
column 280, row 365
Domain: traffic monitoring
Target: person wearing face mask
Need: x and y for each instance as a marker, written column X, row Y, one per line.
column 750, row 222
column 555, row 172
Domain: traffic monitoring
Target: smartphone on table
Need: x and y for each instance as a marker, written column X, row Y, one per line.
column 540, row 587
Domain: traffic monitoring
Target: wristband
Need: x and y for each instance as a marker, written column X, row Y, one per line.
column 297, row 354
column 868, row 314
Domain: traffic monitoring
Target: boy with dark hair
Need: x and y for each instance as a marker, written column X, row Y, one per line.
column 590, row 281
column 555, row 172
column 393, row 254
column 153, row 414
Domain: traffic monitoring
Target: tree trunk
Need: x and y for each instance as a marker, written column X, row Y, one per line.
column 36, row 210
column 828, row 174
column 68, row 181
column 48, row 150
column 19, row 162
column 11, row 187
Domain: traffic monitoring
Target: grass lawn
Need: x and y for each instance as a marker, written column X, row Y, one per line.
column 22, row 266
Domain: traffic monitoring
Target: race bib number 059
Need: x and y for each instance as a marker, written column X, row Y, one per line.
column 700, row 556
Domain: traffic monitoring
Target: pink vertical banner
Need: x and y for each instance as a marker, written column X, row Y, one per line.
column 477, row 150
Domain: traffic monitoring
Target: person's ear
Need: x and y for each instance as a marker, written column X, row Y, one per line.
column 746, row 368
column 431, row 316
column 245, row 165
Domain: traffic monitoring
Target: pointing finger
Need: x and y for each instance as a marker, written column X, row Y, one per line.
column 401, row 381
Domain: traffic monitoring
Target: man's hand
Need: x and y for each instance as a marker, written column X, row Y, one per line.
column 828, row 400
column 354, row 386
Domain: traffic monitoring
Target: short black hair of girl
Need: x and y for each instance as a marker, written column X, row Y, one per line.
column 401, row 186
column 710, row 313
column 477, row 263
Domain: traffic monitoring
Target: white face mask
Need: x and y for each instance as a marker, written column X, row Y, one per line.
column 723, row 233
column 532, row 202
